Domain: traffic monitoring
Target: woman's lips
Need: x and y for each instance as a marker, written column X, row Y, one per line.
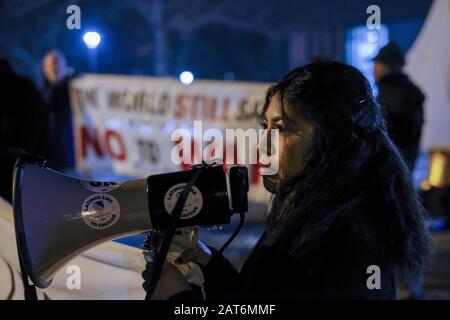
column 265, row 169
column 266, row 163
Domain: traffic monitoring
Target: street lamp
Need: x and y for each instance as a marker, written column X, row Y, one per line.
column 92, row 39
column 186, row 77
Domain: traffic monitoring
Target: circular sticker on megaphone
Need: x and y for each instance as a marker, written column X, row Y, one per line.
column 194, row 201
column 100, row 211
column 99, row 186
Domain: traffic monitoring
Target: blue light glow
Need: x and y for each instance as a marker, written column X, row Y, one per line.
column 362, row 45
column 92, row 39
column 186, row 77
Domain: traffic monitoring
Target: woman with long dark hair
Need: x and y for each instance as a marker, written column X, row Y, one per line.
column 344, row 206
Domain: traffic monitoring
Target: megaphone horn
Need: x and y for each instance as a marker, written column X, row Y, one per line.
column 57, row 217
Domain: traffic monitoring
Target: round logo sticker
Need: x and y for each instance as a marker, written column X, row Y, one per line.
column 194, row 201
column 98, row 186
column 100, row 211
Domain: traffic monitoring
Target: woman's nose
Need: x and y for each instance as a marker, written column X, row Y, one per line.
column 263, row 143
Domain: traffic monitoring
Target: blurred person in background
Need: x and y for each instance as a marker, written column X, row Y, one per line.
column 401, row 100
column 23, row 122
column 402, row 103
column 55, row 89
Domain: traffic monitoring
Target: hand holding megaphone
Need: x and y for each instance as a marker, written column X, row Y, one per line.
column 170, row 283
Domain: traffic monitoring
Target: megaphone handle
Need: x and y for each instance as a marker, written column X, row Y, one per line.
column 29, row 290
column 160, row 256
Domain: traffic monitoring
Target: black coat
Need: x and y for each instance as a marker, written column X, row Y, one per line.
column 23, row 123
column 402, row 103
column 334, row 268
column 61, row 153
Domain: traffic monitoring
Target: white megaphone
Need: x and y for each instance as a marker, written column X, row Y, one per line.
column 57, row 217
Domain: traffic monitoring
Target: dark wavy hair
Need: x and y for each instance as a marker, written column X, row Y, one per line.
column 353, row 167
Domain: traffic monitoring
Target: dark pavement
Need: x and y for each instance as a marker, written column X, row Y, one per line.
column 437, row 276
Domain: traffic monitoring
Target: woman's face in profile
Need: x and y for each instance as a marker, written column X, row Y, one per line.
column 295, row 141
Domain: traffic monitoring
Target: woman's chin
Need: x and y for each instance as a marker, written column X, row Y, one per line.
column 270, row 183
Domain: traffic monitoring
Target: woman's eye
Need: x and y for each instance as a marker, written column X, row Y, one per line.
column 280, row 128
column 264, row 125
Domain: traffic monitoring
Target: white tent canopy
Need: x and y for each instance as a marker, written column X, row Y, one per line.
column 428, row 65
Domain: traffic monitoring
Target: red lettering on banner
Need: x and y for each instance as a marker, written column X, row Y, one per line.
column 209, row 108
column 230, row 149
column 194, row 106
column 254, row 177
column 195, row 151
column 180, row 108
column 120, row 154
column 200, row 106
column 254, row 174
column 89, row 138
column 226, row 105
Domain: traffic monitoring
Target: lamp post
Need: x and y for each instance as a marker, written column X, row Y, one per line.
column 186, row 77
column 92, row 40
